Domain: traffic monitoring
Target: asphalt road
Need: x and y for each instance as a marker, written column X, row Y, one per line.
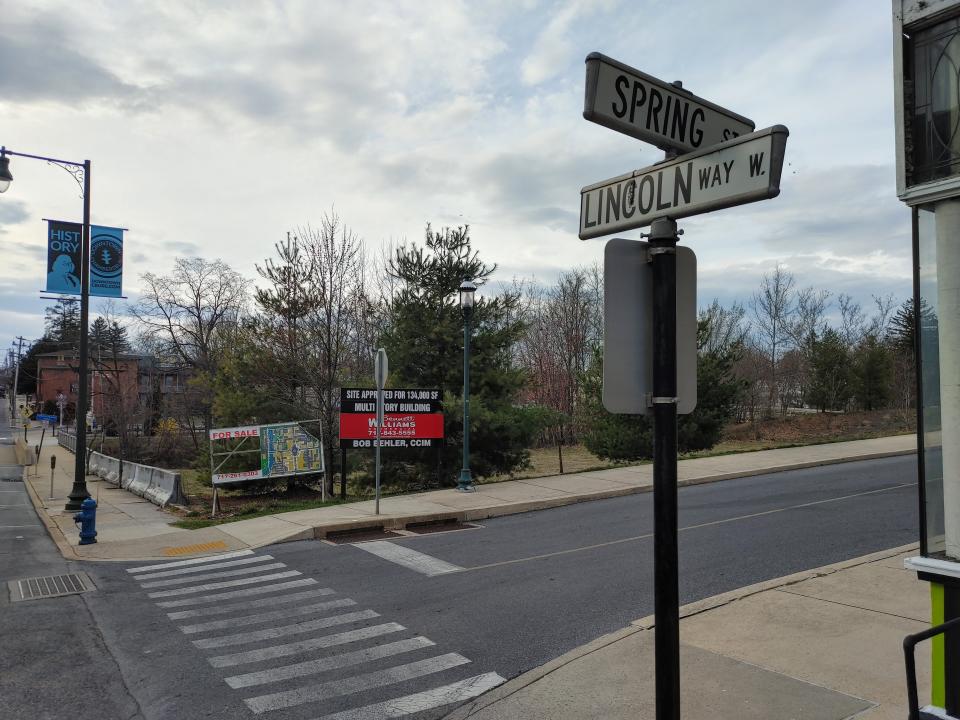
column 53, row 661
column 310, row 630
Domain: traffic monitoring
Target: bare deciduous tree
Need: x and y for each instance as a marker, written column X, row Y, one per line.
column 773, row 309
column 191, row 313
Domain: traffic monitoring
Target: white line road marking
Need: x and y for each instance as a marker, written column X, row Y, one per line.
column 225, row 584
column 191, row 561
column 202, row 568
column 284, row 630
column 355, row 684
column 247, row 592
column 418, row 702
column 317, row 643
column 401, row 555
column 332, row 662
column 246, row 604
column 213, row 576
column 266, row 617
column 647, row 536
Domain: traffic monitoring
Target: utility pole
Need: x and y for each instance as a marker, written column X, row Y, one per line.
column 16, row 380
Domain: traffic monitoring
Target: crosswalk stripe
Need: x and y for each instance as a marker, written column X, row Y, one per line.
column 408, row 558
column 244, row 620
column 316, row 643
column 333, row 662
column 191, row 561
column 284, row 630
column 354, row 684
column 247, row 604
column 426, row 700
column 167, row 582
column 202, row 568
column 246, row 592
column 225, row 584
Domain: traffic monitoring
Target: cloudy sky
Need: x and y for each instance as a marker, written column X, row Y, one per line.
column 215, row 127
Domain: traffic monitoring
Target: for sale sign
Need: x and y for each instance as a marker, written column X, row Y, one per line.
column 413, row 418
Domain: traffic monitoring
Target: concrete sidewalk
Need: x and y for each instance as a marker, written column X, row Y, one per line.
column 131, row 528
column 820, row 645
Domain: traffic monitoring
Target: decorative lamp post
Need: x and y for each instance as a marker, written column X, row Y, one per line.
column 467, row 289
column 80, row 173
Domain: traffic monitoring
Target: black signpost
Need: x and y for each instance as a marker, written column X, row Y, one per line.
column 666, row 597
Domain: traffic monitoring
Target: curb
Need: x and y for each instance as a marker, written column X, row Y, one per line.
column 644, row 624
column 400, row 522
column 53, row 530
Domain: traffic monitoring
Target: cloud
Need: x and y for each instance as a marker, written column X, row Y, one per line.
column 12, row 212
column 38, row 61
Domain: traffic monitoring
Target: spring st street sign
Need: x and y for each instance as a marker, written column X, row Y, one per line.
column 739, row 171
column 631, row 102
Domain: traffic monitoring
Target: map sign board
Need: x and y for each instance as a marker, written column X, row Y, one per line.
column 631, row 102
column 259, row 452
column 413, row 418
column 740, row 171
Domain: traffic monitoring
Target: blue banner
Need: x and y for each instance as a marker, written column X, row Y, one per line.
column 106, row 261
column 63, row 257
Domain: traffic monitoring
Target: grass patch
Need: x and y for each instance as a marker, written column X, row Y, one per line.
column 247, row 509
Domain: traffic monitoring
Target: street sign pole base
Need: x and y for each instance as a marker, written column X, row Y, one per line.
column 465, row 482
column 78, row 493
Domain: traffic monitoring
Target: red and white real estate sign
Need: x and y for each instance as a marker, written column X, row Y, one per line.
column 412, row 418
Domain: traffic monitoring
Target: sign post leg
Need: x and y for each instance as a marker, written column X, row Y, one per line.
column 343, row 473
column 663, row 246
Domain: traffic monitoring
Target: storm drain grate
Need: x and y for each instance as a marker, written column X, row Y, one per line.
column 346, row 537
column 49, row 586
column 439, row 526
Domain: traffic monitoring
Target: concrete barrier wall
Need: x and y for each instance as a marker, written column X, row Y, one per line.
column 26, row 455
column 155, row 484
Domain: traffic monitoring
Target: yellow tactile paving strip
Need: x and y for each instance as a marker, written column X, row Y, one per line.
column 189, row 549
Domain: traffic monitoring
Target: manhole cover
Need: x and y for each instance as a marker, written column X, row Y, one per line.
column 11, row 473
column 49, row 586
column 345, row 537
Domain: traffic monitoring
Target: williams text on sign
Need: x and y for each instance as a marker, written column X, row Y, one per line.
column 740, row 171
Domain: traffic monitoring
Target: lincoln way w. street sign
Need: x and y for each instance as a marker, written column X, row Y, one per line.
column 740, row 171
column 639, row 105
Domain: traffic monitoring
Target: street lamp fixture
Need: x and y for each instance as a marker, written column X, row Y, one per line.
column 5, row 177
column 467, row 290
column 81, row 173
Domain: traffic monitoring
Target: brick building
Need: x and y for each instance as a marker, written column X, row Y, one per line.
column 132, row 382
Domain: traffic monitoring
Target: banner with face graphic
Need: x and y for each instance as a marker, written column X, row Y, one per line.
column 64, row 246
column 64, row 240
column 106, row 261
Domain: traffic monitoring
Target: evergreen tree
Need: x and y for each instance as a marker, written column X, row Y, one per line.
column 609, row 436
column 425, row 345
column 108, row 336
column 873, row 374
column 630, row 437
column 62, row 322
column 831, row 383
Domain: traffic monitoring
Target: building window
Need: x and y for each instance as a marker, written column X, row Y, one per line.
column 932, row 98
column 929, row 335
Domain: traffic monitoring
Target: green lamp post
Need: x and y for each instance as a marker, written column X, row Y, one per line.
column 467, row 290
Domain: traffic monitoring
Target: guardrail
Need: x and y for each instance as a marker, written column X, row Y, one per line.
column 155, row 484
